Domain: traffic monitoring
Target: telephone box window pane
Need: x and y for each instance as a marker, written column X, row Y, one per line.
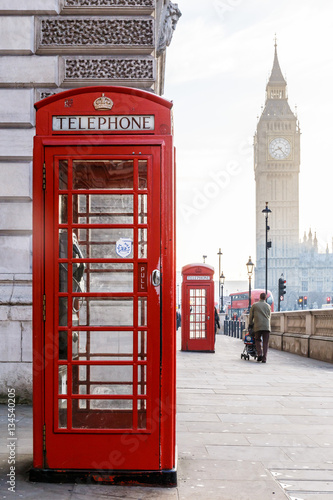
column 105, row 346
column 62, row 413
column 63, row 209
column 102, row 414
column 106, row 379
column 142, row 380
column 104, row 277
column 142, row 311
column 107, row 243
column 63, row 277
column 63, row 244
column 142, row 345
column 143, row 174
column 103, row 209
column 62, row 379
column 115, row 311
column 142, row 212
column 63, row 174
column 142, row 414
column 103, row 174
column 63, row 308
column 63, row 345
column 142, row 250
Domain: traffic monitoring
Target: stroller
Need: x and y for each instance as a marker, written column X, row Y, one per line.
column 249, row 345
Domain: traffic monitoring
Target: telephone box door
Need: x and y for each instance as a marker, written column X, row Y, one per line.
column 102, row 317
column 200, row 318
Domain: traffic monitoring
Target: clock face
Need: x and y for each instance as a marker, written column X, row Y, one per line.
column 279, row 148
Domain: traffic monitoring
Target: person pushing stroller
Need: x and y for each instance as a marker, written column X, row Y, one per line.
column 260, row 319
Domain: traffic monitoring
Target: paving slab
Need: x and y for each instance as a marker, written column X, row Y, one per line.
column 245, row 431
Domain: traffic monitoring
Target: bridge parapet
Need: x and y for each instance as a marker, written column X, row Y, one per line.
column 307, row 333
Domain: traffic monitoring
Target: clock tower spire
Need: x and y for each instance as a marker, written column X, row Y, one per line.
column 276, row 168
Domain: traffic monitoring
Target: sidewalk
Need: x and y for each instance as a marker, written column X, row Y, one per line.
column 246, row 431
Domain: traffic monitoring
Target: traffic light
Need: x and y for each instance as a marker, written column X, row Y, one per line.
column 305, row 301
column 300, row 300
column 328, row 300
column 282, row 288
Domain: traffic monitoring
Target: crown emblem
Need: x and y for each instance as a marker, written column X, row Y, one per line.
column 103, row 103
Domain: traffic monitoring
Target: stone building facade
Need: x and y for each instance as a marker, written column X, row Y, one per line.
column 47, row 46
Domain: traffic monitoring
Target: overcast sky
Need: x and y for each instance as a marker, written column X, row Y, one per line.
column 218, row 64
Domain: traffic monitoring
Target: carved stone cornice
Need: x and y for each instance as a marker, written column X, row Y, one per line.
column 130, row 71
column 91, row 35
column 107, row 6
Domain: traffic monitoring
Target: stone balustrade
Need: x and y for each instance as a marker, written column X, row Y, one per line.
column 307, row 333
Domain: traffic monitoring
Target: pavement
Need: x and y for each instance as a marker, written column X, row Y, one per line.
column 245, row 431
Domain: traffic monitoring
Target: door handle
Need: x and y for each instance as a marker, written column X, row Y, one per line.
column 156, row 277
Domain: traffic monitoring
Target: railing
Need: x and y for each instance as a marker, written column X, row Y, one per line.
column 233, row 328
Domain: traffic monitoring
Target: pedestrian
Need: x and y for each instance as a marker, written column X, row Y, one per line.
column 216, row 320
column 260, row 319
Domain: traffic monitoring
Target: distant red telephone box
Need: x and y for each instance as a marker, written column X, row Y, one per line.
column 198, row 320
column 103, row 317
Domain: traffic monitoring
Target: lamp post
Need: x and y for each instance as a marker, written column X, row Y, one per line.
column 268, row 244
column 250, row 267
column 219, row 253
column 222, row 278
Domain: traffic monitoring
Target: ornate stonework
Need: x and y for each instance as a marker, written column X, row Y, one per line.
column 109, row 69
column 109, row 3
column 170, row 18
column 89, row 32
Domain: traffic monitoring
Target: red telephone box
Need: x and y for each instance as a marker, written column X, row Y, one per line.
column 103, row 317
column 198, row 319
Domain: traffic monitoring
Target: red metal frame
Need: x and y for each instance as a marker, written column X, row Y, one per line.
column 198, row 308
column 47, row 146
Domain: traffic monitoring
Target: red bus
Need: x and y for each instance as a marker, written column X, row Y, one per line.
column 240, row 301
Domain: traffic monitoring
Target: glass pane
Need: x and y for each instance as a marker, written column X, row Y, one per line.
column 118, row 416
column 115, row 346
column 142, row 346
column 142, row 414
column 108, row 277
column 143, row 174
column 103, row 209
column 142, row 211
column 142, row 311
column 63, row 174
column 63, row 209
column 62, row 413
column 63, row 277
column 103, row 174
column 142, row 380
column 63, row 345
column 106, row 311
column 142, row 249
column 107, row 243
column 63, row 301
column 62, row 379
column 63, row 244
column 105, row 379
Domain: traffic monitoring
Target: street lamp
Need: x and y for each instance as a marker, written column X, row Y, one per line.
column 222, row 278
column 250, row 267
column 204, row 258
column 268, row 245
column 219, row 253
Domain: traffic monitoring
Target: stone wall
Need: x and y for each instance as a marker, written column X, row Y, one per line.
column 47, row 46
column 307, row 333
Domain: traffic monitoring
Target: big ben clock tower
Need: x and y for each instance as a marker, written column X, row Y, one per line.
column 276, row 168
